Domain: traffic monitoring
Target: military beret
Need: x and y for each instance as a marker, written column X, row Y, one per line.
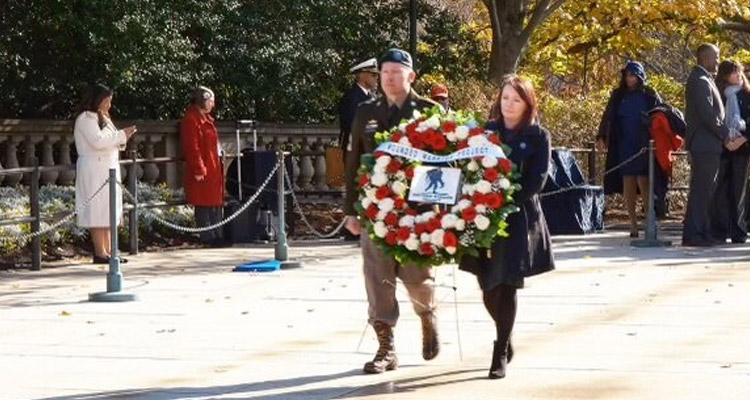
column 370, row 65
column 397, row 56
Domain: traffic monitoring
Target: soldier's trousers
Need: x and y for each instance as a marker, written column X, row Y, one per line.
column 380, row 273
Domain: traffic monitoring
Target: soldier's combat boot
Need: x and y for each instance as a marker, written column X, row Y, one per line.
column 430, row 340
column 385, row 359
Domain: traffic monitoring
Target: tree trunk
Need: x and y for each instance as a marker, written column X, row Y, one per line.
column 504, row 58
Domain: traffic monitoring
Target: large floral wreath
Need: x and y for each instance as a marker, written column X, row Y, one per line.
column 425, row 234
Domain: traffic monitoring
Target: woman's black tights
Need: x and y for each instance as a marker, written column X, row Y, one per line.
column 501, row 304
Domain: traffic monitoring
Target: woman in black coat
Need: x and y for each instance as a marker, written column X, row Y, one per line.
column 623, row 131
column 728, row 212
column 528, row 250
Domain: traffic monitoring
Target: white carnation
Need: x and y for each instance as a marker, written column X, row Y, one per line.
column 478, row 141
column 481, row 208
column 416, row 114
column 371, row 194
column 482, row 222
column 451, row 250
column 402, row 126
column 484, row 187
column 412, row 243
column 424, row 237
column 383, row 161
column 366, row 202
column 381, row 215
column 406, row 221
column 398, row 187
column 380, row 229
column 386, row 204
column 401, row 175
column 379, row 179
column 460, row 225
column 448, row 221
column 489, row 162
column 452, row 137
column 462, row 132
column 433, row 122
column 468, row 189
column 471, row 166
column 463, row 204
column 404, row 141
column 436, row 237
column 504, row 184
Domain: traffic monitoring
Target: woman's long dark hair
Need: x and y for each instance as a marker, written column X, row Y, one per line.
column 92, row 98
column 726, row 68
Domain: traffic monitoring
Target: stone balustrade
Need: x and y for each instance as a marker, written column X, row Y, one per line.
column 22, row 142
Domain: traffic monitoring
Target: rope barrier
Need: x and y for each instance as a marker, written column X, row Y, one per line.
column 24, row 238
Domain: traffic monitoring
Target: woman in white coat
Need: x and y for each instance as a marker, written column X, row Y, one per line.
column 98, row 143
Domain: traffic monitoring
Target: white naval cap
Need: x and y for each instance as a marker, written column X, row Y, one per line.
column 370, row 65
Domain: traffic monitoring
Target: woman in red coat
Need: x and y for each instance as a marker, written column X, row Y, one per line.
column 204, row 174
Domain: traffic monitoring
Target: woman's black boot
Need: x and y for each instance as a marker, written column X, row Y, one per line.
column 499, row 360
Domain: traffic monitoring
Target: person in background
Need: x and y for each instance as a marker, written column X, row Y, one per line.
column 623, row 132
column 528, row 250
column 364, row 88
column 204, row 173
column 439, row 94
column 98, row 143
column 728, row 210
column 380, row 270
column 706, row 136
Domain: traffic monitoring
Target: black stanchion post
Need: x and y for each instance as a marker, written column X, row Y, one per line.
column 280, row 252
column 592, row 163
column 133, row 188
column 651, row 231
column 114, row 277
column 36, row 241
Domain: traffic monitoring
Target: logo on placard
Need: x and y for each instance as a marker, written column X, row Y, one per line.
column 435, row 185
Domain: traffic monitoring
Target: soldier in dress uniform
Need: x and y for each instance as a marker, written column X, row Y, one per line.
column 380, row 271
column 364, row 88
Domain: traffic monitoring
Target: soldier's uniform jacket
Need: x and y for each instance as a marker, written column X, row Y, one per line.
column 371, row 117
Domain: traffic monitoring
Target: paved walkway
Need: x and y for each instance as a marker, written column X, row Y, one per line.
column 613, row 322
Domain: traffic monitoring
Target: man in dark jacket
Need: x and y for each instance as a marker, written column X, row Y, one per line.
column 363, row 89
column 381, row 270
column 705, row 137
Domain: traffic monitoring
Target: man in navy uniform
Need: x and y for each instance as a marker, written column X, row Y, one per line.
column 364, row 88
column 380, row 271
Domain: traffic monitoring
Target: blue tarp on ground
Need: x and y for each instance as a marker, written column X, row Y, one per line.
column 576, row 211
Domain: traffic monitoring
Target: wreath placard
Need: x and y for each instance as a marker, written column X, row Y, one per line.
column 442, row 232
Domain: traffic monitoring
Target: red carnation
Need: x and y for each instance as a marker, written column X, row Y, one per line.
column 420, row 229
column 403, row 234
column 450, row 239
column 411, row 211
column 494, row 201
column 382, row 192
column 409, row 173
column 494, row 139
column 462, row 144
column 469, row 214
column 434, row 224
column 363, row 181
column 371, row 212
column 396, row 136
column 476, row 131
column 391, row 238
column 426, row 249
column 378, row 154
column 415, row 139
column 505, row 165
column 391, row 219
column 393, row 166
column 449, row 126
column 399, row 203
column 439, row 143
column 491, row 174
column 411, row 128
column 479, row 198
